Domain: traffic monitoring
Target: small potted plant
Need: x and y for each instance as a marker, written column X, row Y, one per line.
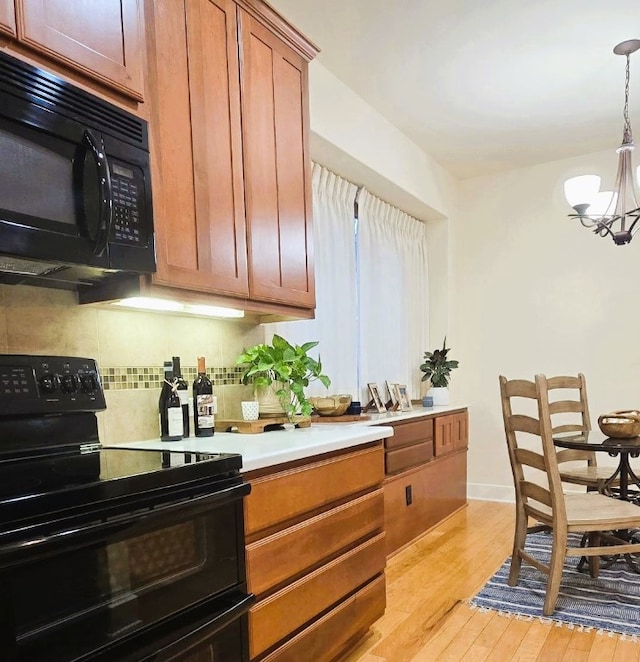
column 437, row 368
column 281, row 371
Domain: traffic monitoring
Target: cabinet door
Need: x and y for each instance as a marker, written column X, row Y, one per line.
column 198, row 195
column 7, row 17
column 451, row 433
column 443, row 441
column 460, row 430
column 275, row 118
column 101, row 38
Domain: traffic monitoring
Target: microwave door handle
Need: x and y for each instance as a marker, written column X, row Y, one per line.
column 106, row 198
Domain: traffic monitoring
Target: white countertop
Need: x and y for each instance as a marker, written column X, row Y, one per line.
column 278, row 446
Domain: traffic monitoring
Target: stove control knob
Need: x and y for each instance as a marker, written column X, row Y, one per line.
column 69, row 384
column 48, row 383
column 88, row 383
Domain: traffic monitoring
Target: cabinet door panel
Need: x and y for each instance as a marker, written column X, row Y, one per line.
column 277, row 191
column 7, row 17
column 199, row 210
column 443, row 442
column 101, row 38
column 460, row 430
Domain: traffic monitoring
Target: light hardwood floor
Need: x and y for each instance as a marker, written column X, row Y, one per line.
column 426, row 619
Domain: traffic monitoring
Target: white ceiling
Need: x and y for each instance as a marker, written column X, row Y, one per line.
column 484, row 85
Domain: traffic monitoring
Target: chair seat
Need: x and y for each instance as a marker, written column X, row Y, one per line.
column 597, row 512
column 589, row 476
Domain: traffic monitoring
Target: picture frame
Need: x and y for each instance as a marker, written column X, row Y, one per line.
column 376, row 398
column 403, row 398
column 393, row 402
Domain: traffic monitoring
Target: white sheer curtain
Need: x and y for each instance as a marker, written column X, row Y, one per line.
column 394, row 295
column 336, row 305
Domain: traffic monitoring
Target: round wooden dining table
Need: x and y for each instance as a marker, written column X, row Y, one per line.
column 623, row 449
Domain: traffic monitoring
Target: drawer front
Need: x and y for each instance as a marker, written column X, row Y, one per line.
column 305, row 545
column 412, row 432
column 324, row 639
column 409, row 456
column 275, row 617
column 289, row 494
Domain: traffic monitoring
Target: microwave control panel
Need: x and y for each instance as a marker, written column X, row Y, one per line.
column 129, row 217
column 48, row 385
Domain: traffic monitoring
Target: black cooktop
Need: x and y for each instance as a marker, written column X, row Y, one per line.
column 92, row 481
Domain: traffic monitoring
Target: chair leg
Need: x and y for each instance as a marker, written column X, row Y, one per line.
column 558, row 553
column 519, row 537
column 594, row 561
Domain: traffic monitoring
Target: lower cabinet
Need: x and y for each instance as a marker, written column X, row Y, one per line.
column 418, row 499
column 425, row 475
column 315, row 554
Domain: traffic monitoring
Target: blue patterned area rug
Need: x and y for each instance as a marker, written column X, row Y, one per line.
column 610, row 603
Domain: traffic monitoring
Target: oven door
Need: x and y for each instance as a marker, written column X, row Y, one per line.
column 69, row 591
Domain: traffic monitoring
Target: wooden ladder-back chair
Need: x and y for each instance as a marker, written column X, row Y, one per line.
column 570, row 414
column 541, row 498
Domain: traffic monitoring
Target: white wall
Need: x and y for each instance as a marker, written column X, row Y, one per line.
column 533, row 291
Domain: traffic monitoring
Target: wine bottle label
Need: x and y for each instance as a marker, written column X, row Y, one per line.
column 206, row 404
column 174, row 418
column 184, row 396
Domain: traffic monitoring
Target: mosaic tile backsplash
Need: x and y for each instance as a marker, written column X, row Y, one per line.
column 122, row 378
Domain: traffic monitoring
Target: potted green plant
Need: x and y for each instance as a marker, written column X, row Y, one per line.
column 437, row 368
column 285, row 370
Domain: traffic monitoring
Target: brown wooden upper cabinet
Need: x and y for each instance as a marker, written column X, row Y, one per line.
column 103, row 39
column 229, row 125
column 7, row 17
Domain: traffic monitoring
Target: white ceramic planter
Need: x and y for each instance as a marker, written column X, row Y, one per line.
column 268, row 402
column 440, row 395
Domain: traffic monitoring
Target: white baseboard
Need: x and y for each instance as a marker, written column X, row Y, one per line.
column 483, row 492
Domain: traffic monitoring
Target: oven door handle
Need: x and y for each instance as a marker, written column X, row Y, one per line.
column 106, row 196
column 19, row 552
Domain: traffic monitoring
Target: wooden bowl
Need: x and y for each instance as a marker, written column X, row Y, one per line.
column 331, row 405
column 623, row 424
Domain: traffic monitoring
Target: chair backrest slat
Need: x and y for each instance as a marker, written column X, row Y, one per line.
column 530, row 444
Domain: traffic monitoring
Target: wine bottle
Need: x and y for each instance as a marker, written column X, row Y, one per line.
column 170, row 408
column 183, row 393
column 164, row 394
column 173, row 411
column 203, row 405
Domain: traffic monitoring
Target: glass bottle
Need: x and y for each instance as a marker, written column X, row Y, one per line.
column 203, row 402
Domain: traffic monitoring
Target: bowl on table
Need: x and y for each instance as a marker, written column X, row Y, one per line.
column 330, row 405
column 623, row 424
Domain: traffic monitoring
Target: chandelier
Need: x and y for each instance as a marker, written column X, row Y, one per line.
column 614, row 213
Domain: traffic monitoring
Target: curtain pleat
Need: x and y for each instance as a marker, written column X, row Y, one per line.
column 371, row 322
column 394, row 295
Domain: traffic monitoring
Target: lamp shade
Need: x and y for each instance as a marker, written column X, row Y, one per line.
column 581, row 190
column 603, row 204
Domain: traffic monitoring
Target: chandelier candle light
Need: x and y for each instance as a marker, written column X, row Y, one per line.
column 614, row 213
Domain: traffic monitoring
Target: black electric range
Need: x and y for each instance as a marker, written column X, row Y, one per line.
column 110, row 553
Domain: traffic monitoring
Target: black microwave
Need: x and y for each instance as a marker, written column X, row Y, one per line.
column 75, row 185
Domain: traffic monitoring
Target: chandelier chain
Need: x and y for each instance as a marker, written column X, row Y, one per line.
column 627, row 121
